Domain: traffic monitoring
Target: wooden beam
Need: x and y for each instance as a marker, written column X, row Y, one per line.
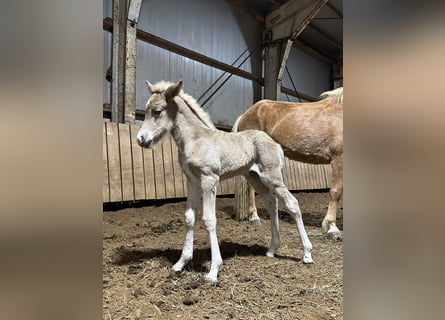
column 301, row 94
column 173, row 47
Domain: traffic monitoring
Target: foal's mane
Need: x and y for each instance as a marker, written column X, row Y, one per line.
column 189, row 101
column 336, row 95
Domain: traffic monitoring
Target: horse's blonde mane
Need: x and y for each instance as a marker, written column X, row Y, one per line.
column 336, row 94
column 161, row 86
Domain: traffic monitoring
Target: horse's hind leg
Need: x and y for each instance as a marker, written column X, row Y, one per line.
column 329, row 222
column 253, row 214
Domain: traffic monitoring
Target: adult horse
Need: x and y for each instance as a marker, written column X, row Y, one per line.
column 308, row 132
column 208, row 155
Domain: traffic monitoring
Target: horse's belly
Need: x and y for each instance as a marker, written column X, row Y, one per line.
column 309, row 157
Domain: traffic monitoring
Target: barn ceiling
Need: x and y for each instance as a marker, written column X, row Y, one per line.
column 324, row 34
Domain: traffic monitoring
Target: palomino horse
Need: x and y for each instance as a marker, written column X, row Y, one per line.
column 307, row 132
column 208, row 155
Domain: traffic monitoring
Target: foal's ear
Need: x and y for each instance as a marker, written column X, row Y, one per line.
column 149, row 86
column 173, row 90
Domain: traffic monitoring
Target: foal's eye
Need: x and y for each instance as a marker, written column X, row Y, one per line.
column 156, row 112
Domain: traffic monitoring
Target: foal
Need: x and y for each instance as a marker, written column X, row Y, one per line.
column 208, row 155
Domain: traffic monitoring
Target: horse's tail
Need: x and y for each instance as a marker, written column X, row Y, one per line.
column 235, row 125
column 336, row 94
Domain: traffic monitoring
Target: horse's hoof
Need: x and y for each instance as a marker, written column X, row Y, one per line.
column 255, row 222
column 335, row 235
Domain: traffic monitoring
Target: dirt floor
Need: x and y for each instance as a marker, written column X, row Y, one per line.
column 140, row 244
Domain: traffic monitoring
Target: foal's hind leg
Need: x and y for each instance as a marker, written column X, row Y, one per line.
column 209, row 184
column 274, row 181
column 329, row 222
column 271, row 204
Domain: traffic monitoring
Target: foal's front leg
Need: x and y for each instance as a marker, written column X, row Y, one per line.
column 208, row 185
column 193, row 196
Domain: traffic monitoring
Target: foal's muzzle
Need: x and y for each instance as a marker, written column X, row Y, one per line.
column 143, row 141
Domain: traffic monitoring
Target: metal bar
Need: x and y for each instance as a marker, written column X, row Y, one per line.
column 222, row 75
column 293, row 84
column 224, row 82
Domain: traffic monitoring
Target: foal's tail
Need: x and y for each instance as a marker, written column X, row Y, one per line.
column 336, row 94
column 235, row 125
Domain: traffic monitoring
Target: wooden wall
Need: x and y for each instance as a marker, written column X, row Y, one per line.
column 133, row 173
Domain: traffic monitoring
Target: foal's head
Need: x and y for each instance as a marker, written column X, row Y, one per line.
column 160, row 112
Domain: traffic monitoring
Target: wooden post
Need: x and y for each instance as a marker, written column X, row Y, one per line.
column 130, row 61
column 118, row 61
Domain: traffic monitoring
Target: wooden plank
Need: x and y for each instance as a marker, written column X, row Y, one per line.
column 114, row 172
column 158, row 162
column 177, row 173
column 126, row 162
column 312, row 176
column 294, row 174
column 285, row 172
column 169, row 177
column 150, row 185
column 302, row 170
column 105, row 186
column 328, row 175
column 241, row 204
column 298, row 177
column 291, row 173
column 138, row 165
column 231, row 183
column 319, row 176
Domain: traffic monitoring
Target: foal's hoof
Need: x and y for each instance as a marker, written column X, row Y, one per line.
column 174, row 273
column 255, row 222
column 335, row 235
column 307, row 260
column 211, row 280
column 270, row 253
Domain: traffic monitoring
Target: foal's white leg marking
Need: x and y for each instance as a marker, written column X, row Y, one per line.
column 208, row 185
column 271, row 203
column 193, row 197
